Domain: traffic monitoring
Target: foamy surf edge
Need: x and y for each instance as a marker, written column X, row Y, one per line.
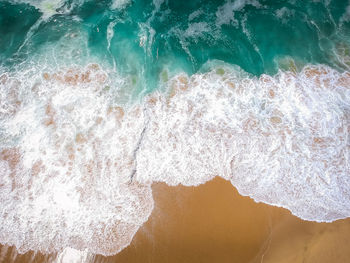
column 77, row 167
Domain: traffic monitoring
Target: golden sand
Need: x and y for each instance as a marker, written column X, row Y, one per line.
column 213, row 223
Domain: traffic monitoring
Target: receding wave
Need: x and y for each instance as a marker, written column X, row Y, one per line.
column 77, row 166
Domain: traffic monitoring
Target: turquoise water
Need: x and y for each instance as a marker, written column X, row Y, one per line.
column 143, row 38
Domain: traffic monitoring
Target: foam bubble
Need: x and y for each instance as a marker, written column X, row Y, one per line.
column 73, row 256
column 196, row 30
column 119, row 4
column 47, row 7
column 282, row 140
column 67, row 180
column 77, row 167
column 346, row 16
column 284, row 14
column 195, row 14
column 225, row 13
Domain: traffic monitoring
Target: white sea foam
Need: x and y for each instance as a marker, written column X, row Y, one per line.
column 346, row 16
column 197, row 30
column 282, row 140
column 67, row 164
column 47, row 7
column 157, row 4
column 225, row 15
column 76, row 168
column 119, row 4
column 284, row 14
column 73, row 256
column 195, row 14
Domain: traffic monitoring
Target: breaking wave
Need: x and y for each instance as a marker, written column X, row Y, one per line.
column 77, row 166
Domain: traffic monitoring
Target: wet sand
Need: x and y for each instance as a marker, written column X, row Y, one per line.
column 213, row 223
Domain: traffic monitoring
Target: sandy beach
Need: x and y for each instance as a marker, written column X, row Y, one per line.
column 214, row 223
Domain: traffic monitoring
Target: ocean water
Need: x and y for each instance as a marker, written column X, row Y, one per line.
column 99, row 99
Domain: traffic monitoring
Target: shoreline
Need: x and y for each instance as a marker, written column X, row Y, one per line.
column 213, row 221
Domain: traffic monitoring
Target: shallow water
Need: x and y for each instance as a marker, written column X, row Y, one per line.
column 99, row 100
column 213, row 222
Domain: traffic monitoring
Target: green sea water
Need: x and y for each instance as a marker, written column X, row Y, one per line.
column 151, row 40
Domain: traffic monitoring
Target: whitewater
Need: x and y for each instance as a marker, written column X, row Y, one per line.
column 83, row 137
